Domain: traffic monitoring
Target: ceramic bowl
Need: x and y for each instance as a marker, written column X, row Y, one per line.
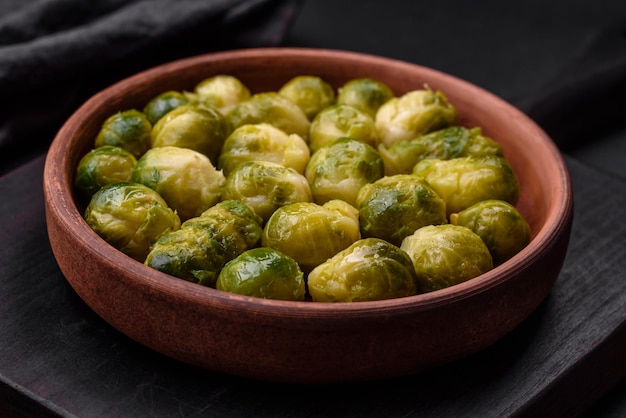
column 308, row 342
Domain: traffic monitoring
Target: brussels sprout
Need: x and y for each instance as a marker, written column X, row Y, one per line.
column 366, row 94
column 369, row 269
column 101, row 166
column 502, row 228
column 312, row 233
column 445, row 255
column 393, row 207
column 203, row 245
column 272, row 108
column 129, row 129
column 310, row 93
column 222, row 92
column 191, row 126
column 130, row 217
column 339, row 170
column 263, row 142
column 444, row 144
column 263, row 273
column 341, row 120
column 414, row 113
column 185, row 178
column 265, row 186
column 163, row 103
column 463, row 181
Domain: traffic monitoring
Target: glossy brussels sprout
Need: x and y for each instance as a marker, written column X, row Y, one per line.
column 312, row 233
column 263, row 142
column 366, row 94
column 222, row 92
column 445, row 255
column 131, row 217
column 393, row 207
column 310, row 93
column 272, row 108
column 463, row 181
column 129, row 130
column 444, row 144
column 369, row 269
column 198, row 251
column 341, row 120
column 339, row 170
column 185, row 178
column 263, row 273
column 101, row 166
column 414, row 113
column 163, row 103
column 500, row 225
column 191, row 126
column 266, row 186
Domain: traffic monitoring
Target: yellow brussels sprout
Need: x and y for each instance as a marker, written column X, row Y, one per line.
column 463, row 181
column 131, row 217
column 310, row 93
column 185, row 178
column 271, row 107
column 502, row 228
column 263, row 273
column 101, row 166
column 191, row 126
column 414, row 113
column 263, row 142
column 266, row 186
column 445, row 255
column 338, row 121
column 395, row 206
column 444, row 144
column 129, row 130
column 339, row 170
column 369, row 269
column 366, row 94
column 222, row 92
column 312, row 233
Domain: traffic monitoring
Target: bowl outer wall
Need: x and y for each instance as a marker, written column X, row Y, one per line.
column 304, row 342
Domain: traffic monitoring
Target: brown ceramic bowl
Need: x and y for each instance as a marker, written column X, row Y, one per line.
column 309, row 342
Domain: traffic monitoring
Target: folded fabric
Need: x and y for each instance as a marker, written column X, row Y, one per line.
column 54, row 54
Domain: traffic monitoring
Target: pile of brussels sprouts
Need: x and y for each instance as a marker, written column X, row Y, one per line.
column 305, row 193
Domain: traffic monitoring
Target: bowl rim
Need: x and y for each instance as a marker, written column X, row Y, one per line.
column 60, row 199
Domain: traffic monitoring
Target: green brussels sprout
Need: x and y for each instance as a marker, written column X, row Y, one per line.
column 414, row 113
column 163, row 103
column 185, row 178
column 265, row 186
column 445, row 255
column 310, row 93
column 502, row 228
column 222, row 92
column 101, row 166
column 366, row 94
column 369, row 269
column 340, row 120
column 271, row 107
column 463, row 181
column 198, row 251
column 263, row 142
column 129, row 130
column 393, row 207
column 444, row 144
column 263, row 273
column 339, row 170
column 131, row 217
column 312, row 233
column 191, row 126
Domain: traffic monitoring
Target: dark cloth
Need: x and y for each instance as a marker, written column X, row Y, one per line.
column 54, row 54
